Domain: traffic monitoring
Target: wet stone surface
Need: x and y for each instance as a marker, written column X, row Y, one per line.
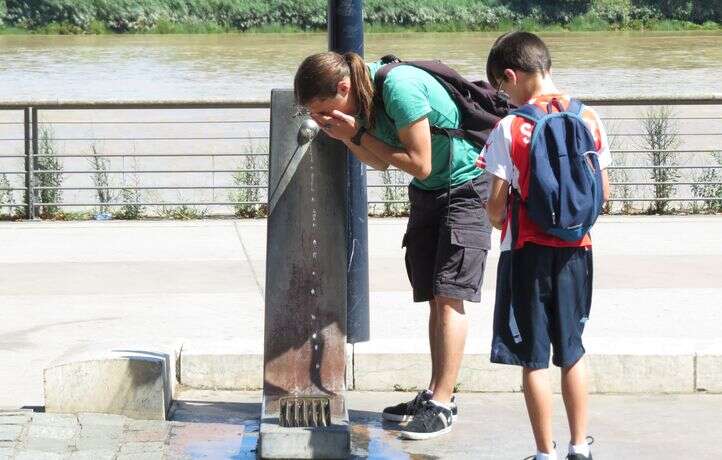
column 38, row 436
column 225, row 425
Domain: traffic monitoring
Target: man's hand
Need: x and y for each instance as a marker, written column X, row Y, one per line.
column 337, row 124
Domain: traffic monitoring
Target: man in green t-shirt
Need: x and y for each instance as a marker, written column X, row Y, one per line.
column 448, row 232
column 410, row 94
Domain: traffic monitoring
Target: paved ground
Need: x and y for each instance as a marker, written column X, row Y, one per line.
column 64, row 286
column 224, row 425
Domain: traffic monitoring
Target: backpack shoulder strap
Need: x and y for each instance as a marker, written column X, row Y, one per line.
column 530, row 112
column 380, row 78
column 575, row 106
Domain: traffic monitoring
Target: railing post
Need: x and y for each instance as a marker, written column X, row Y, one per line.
column 29, row 165
column 35, row 152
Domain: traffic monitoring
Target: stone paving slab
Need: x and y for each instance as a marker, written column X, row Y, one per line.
column 39, row 436
column 495, row 426
column 10, row 432
column 224, row 425
column 94, row 454
column 203, row 440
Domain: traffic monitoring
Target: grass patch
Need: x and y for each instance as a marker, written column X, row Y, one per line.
column 10, row 30
column 405, row 389
column 277, row 29
column 672, row 25
column 59, row 28
column 71, row 215
column 182, row 212
column 166, row 27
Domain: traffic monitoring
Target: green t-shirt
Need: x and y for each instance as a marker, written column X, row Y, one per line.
column 411, row 94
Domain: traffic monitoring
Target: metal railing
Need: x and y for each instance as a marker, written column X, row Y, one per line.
column 217, row 150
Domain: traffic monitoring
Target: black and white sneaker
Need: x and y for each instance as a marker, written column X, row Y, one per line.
column 575, row 456
column 429, row 422
column 533, row 457
column 405, row 411
column 579, row 457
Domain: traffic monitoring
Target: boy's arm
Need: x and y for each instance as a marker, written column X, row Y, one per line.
column 496, row 206
column 496, row 159
column 603, row 152
column 605, row 185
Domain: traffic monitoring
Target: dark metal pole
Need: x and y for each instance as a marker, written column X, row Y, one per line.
column 346, row 33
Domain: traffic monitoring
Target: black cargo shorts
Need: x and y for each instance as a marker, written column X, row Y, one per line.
column 446, row 240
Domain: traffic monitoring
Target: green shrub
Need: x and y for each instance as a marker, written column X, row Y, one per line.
column 471, row 14
column 619, row 12
column 101, row 179
column 551, row 10
column 6, row 196
column 394, row 195
column 697, row 11
column 37, row 13
column 171, row 16
column 47, row 160
column 660, row 139
column 708, row 184
column 248, row 175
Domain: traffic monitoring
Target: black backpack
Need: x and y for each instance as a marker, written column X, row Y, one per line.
column 479, row 104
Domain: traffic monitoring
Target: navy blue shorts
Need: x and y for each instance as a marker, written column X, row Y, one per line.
column 552, row 297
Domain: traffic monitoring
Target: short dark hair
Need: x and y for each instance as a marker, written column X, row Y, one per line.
column 517, row 51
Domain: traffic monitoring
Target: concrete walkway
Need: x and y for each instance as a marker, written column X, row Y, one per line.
column 224, row 425
column 66, row 286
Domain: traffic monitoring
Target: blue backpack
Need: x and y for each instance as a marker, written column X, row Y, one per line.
column 565, row 186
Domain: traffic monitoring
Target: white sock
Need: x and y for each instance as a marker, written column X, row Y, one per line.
column 544, row 456
column 437, row 403
column 428, row 392
column 582, row 449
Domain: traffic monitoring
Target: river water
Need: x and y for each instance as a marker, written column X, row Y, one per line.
column 247, row 66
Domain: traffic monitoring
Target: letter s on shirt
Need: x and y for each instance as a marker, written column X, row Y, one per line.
column 526, row 131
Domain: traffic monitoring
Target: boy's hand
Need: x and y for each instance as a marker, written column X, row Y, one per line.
column 496, row 205
column 337, row 124
column 481, row 161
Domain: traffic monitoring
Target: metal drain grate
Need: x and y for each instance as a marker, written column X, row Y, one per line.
column 305, row 411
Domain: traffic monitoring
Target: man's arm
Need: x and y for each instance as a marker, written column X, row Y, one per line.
column 366, row 156
column 496, row 205
column 414, row 158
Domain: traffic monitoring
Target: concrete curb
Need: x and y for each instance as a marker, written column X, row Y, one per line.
column 608, row 373
column 231, row 365
column 141, row 384
column 388, row 371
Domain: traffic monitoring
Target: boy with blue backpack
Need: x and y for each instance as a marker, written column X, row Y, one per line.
column 548, row 159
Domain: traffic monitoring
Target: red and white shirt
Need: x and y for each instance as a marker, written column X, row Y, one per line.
column 506, row 156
